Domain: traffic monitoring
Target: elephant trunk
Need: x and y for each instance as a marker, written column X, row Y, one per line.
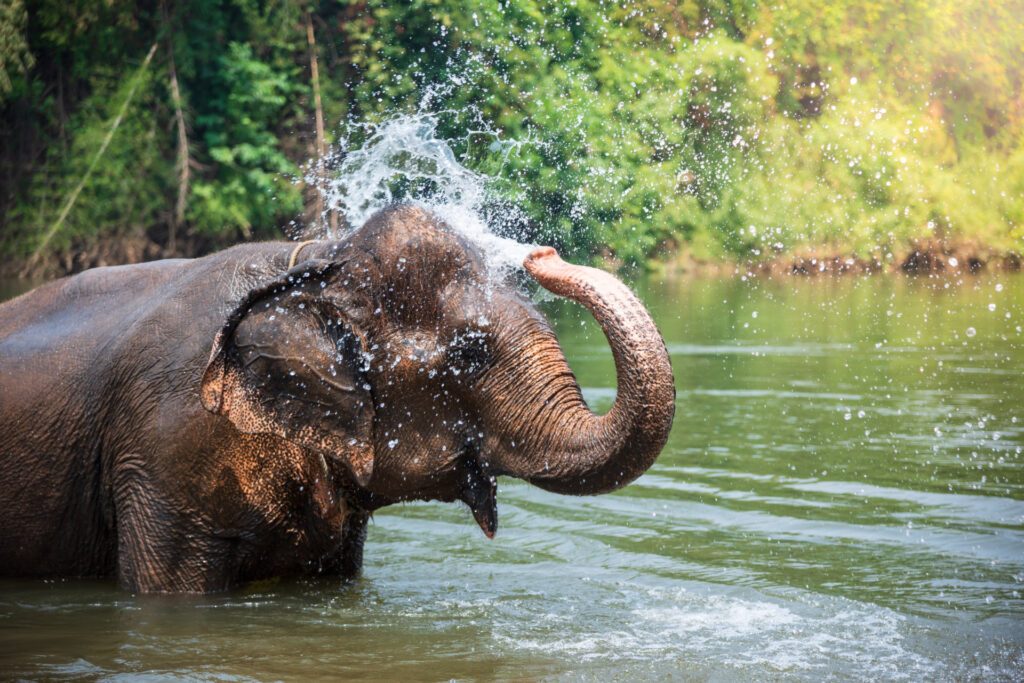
column 566, row 448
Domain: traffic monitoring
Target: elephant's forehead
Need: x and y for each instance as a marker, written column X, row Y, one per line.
column 432, row 309
column 424, row 255
column 402, row 353
column 418, row 343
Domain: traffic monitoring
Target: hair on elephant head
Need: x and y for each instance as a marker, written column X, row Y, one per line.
column 395, row 352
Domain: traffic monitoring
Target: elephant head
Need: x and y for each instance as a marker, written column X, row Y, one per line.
column 397, row 353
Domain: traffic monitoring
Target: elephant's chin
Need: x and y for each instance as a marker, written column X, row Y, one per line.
column 480, row 493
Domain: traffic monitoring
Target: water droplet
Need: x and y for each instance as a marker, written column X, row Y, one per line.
column 409, row 147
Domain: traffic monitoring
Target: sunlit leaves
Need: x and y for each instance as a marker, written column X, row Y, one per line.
column 15, row 57
column 250, row 187
column 741, row 127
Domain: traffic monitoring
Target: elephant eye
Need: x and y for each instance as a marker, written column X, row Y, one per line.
column 469, row 354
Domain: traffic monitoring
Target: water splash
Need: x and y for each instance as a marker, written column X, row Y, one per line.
column 405, row 158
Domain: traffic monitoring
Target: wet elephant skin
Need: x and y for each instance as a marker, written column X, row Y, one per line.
column 190, row 425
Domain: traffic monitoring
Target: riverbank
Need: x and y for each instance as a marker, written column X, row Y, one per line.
column 924, row 257
column 104, row 252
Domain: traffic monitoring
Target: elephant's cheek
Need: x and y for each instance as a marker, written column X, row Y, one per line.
column 409, row 474
column 497, row 448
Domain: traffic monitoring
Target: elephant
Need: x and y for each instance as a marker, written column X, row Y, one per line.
column 192, row 425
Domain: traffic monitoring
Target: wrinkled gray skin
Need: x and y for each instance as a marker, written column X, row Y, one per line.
column 188, row 425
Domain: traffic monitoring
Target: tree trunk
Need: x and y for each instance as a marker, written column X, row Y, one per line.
column 183, row 155
column 321, row 141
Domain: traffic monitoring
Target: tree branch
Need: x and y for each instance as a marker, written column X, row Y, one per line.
column 321, row 142
column 183, row 156
column 37, row 254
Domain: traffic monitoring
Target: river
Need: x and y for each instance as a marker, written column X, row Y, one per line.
column 842, row 497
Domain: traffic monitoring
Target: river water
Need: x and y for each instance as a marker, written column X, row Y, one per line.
column 842, row 497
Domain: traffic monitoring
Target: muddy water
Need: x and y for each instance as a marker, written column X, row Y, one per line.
column 842, row 497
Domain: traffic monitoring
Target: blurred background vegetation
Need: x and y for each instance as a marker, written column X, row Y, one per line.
column 719, row 128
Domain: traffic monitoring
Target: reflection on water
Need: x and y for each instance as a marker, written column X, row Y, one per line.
column 842, row 496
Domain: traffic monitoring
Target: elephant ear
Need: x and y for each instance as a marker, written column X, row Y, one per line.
column 290, row 363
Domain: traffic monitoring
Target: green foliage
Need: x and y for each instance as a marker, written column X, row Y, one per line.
column 250, row 187
column 125, row 190
column 745, row 128
column 15, row 57
column 758, row 129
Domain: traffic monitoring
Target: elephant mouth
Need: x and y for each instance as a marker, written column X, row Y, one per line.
column 480, row 492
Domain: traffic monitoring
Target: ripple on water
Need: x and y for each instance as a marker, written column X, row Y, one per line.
column 724, row 629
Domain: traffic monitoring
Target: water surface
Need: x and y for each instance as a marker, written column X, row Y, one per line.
column 842, row 497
